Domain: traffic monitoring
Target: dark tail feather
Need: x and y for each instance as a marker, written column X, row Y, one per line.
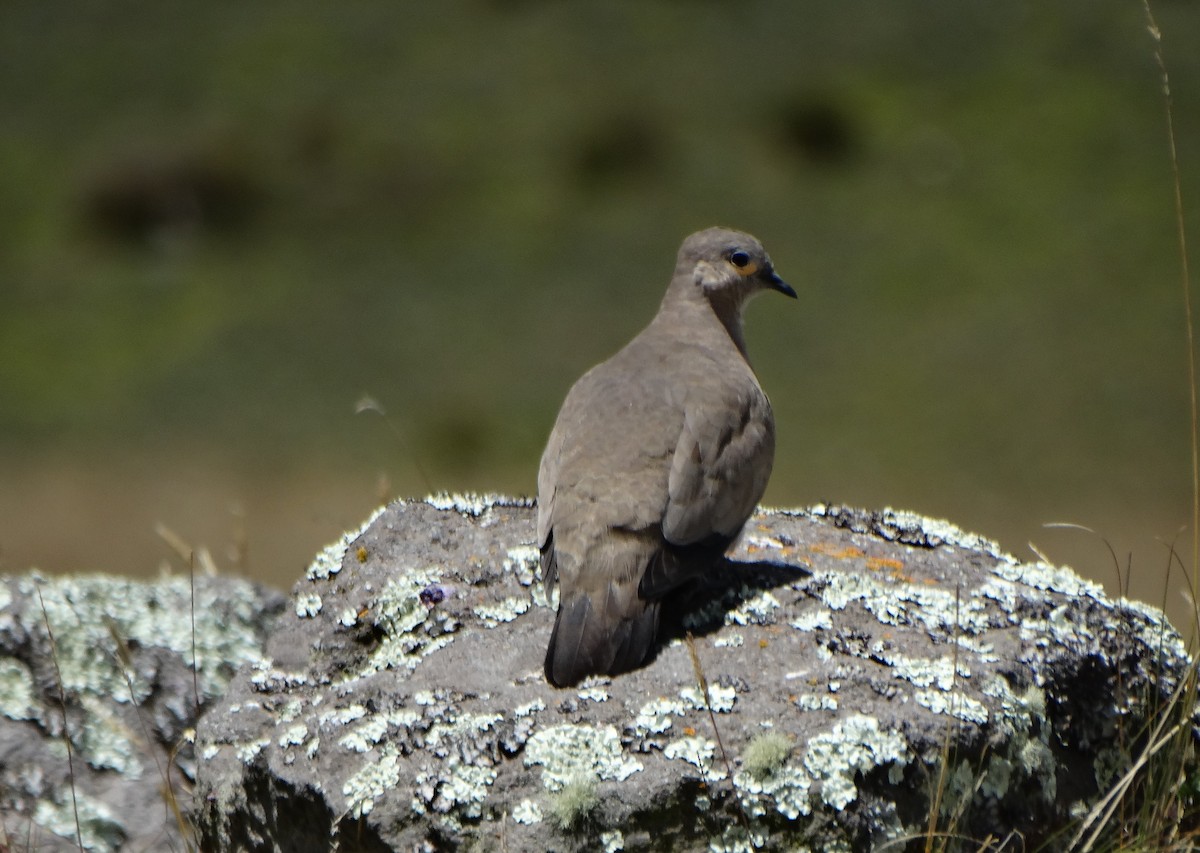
column 676, row 565
column 582, row 643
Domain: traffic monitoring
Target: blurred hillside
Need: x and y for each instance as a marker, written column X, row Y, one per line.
column 226, row 222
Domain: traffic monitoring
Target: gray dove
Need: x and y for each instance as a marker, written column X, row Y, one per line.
column 658, row 457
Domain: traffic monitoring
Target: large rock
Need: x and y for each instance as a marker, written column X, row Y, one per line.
column 98, row 696
column 857, row 665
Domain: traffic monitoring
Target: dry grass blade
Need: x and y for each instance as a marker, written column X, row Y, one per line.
column 702, row 681
column 1185, row 280
column 176, row 542
column 367, row 403
column 62, row 698
column 1102, row 812
column 125, row 665
column 935, row 802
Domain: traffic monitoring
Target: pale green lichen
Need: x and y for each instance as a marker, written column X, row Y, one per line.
column 371, row 781
column 816, row 618
column 902, row 603
column 373, row 729
column 1158, row 634
column 721, row 698
column 501, row 611
column 329, row 561
column 527, row 812
column 953, row 703
column 855, row 745
column 267, row 678
column 106, row 742
column 1047, row 577
column 655, row 717
column 1020, row 723
column 459, row 787
column 816, row 702
column 399, row 611
column 458, row 727
column 293, row 735
column 958, row 787
column 984, row 651
column 248, row 751
column 472, row 505
column 88, row 614
column 79, row 816
column 341, row 716
column 103, row 628
column 523, row 562
column 308, row 604
column 567, row 752
column 529, row 708
column 612, row 841
column 16, row 689
column 593, row 693
column 735, row 839
column 1004, row 593
column 755, row 610
column 924, row 672
column 698, row 752
column 996, row 777
column 784, row 790
column 938, row 531
column 543, row 598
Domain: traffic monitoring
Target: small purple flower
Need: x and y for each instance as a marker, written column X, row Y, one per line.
column 435, row 593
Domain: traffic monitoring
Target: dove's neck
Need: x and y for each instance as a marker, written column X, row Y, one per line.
column 692, row 309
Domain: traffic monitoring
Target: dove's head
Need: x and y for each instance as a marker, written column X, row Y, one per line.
column 727, row 266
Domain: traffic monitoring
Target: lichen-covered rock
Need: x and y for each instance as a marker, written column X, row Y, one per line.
column 840, row 662
column 105, row 770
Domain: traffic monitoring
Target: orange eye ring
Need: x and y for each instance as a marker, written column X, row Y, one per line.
column 742, row 262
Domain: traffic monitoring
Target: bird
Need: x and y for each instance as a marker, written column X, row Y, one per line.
column 656, row 460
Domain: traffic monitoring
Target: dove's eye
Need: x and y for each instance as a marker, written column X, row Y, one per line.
column 742, row 263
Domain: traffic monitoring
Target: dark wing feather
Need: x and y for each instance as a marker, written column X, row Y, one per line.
column 720, row 468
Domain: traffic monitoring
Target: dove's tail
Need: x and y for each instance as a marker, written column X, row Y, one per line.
column 587, row 640
column 604, row 624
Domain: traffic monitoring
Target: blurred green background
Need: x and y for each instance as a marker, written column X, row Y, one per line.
column 224, row 223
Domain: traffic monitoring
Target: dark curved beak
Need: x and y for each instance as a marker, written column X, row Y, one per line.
column 776, row 283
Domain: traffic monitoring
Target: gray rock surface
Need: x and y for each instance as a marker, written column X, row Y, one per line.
column 116, row 684
column 400, row 705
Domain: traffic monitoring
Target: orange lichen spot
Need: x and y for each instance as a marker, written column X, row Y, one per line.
column 813, row 681
column 884, row 563
column 763, row 527
column 361, row 553
column 847, row 553
column 792, row 697
column 689, row 731
column 929, row 581
column 763, row 643
column 752, row 548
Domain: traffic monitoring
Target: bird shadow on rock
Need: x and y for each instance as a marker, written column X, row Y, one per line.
column 700, row 607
